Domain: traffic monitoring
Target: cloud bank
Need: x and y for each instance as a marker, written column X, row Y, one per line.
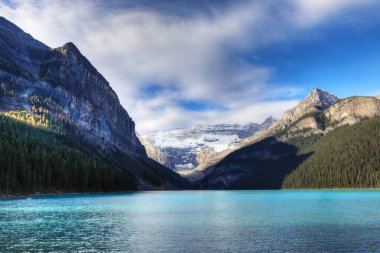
column 172, row 70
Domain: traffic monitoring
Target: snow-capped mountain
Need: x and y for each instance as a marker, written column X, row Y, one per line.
column 195, row 147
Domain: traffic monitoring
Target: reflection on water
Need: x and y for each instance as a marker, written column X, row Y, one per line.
column 194, row 221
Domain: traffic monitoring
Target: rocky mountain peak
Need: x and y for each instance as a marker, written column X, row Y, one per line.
column 321, row 98
column 269, row 120
column 69, row 47
column 318, row 99
column 70, row 55
column 70, row 86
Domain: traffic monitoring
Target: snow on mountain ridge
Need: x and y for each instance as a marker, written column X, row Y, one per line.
column 222, row 136
column 187, row 148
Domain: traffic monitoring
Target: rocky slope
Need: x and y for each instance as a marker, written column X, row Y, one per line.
column 317, row 100
column 194, row 148
column 316, row 115
column 64, row 83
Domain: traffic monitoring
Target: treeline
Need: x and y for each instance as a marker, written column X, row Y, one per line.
column 34, row 160
column 347, row 157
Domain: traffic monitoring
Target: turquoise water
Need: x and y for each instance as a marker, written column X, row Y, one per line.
column 194, row 221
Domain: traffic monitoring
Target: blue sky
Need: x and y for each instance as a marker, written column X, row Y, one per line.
column 343, row 58
column 179, row 63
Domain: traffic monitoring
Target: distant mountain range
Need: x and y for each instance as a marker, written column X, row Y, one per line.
column 194, row 148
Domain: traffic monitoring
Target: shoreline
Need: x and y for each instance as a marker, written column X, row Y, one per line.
column 33, row 195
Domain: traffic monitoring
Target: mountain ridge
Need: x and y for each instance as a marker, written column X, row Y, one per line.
column 246, row 167
column 62, row 85
column 73, row 86
column 318, row 99
column 195, row 147
column 315, row 101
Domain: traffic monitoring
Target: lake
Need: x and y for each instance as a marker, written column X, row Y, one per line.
column 194, row 221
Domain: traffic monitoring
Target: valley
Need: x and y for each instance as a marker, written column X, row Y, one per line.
column 64, row 130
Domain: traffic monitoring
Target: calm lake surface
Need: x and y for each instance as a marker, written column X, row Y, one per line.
column 194, row 221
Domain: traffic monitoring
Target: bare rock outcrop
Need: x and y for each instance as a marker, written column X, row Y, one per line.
column 349, row 111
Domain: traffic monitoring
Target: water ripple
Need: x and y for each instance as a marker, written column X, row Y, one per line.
column 187, row 221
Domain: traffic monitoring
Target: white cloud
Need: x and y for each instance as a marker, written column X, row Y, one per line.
column 197, row 55
column 173, row 117
column 310, row 12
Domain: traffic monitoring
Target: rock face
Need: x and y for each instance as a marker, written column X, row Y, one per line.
column 87, row 99
column 351, row 110
column 317, row 100
column 318, row 113
column 194, row 148
column 20, row 54
column 344, row 112
column 66, row 85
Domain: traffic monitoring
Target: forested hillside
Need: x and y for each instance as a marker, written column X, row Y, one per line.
column 38, row 160
column 347, row 157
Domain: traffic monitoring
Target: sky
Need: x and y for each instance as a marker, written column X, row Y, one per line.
column 175, row 63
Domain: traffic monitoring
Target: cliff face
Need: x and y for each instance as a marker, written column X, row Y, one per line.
column 351, row 110
column 62, row 83
column 317, row 100
column 67, row 84
column 20, row 54
column 347, row 111
column 86, row 98
column 155, row 153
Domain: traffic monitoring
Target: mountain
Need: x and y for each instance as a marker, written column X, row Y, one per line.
column 60, row 87
column 20, row 54
column 193, row 148
column 295, row 142
column 346, row 157
column 317, row 100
